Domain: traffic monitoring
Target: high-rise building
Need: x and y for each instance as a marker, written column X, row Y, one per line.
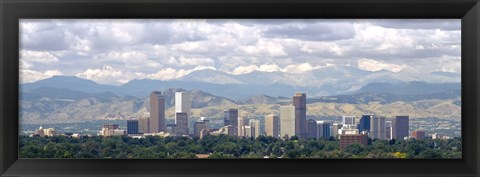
column 183, row 102
column 335, row 128
column 346, row 140
column 132, row 127
column 400, row 127
column 418, row 134
column 248, row 131
column 300, row 104
column 181, row 122
column 287, row 121
column 144, row 124
column 272, row 126
column 364, row 124
column 388, row 129
column 199, row 126
column 242, row 121
column 348, row 120
column 255, row 127
column 230, row 117
column 157, row 112
column 311, row 128
column 377, row 127
column 323, row 129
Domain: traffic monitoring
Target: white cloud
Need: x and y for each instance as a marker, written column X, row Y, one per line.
column 38, row 57
column 300, row 68
column 183, row 61
column 29, row 76
column 373, row 65
column 107, row 74
column 167, row 74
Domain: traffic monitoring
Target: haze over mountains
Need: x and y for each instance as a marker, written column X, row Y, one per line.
column 72, row 99
column 319, row 82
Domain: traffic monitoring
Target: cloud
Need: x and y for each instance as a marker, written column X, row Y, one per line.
column 264, row 48
column 168, row 73
column 419, row 24
column 106, row 74
column 183, row 61
column 313, row 31
column 373, row 65
column 29, row 76
column 152, row 47
column 37, row 57
column 293, row 68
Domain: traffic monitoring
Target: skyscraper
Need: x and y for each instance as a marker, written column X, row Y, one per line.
column 181, row 122
column 272, row 126
column 364, row 124
column 300, row 104
column 132, row 127
column 400, row 127
column 287, row 121
column 323, row 129
column 312, row 128
column 183, row 102
column 199, row 126
column 157, row 112
column 144, row 124
column 388, row 129
column 255, row 125
column 335, row 128
column 377, row 127
column 242, row 121
column 230, row 117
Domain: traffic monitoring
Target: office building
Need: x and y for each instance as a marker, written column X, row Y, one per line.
column 226, row 130
column 418, row 134
column 377, row 127
column 388, row 129
column 157, row 112
column 400, row 127
column 300, row 104
column 144, row 124
column 348, row 120
column 171, row 129
column 242, row 121
column 311, row 128
column 183, row 102
column 199, row 126
column 255, row 127
column 230, row 117
column 346, row 140
column 272, row 126
column 287, row 121
column 248, row 131
column 364, row 124
column 112, row 130
column 440, row 136
column 132, row 127
column 323, row 129
column 335, row 128
column 181, row 122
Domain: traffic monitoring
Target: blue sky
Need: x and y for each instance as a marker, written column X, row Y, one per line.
column 117, row 51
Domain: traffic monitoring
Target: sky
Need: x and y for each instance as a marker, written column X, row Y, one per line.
column 117, row 51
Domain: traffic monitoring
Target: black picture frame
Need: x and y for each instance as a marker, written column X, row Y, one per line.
column 13, row 10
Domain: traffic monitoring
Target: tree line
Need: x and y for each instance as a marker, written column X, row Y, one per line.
column 223, row 146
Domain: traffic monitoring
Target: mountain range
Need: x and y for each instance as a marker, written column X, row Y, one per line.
column 320, row 82
column 330, row 92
